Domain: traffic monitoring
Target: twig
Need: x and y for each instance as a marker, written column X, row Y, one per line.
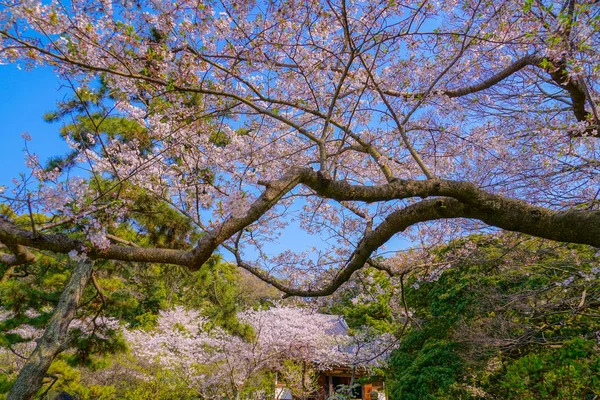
column 95, row 283
column 31, row 215
column 45, row 394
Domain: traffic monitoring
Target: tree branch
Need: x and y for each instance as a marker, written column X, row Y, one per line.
column 557, row 71
column 20, row 255
column 453, row 199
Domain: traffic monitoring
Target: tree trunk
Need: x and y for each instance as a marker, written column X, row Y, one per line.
column 55, row 337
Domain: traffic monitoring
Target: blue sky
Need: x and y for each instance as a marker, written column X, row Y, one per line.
column 25, row 96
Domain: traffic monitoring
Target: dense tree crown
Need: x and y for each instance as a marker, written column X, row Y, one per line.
column 512, row 318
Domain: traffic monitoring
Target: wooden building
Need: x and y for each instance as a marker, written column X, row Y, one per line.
column 331, row 380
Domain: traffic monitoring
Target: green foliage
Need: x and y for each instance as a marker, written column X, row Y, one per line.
column 366, row 302
column 6, row 383
column 156, row 223
column 511, row 319
column 214, row 289
column 166, row 384
column 572, row 370
column 89, row 119
column 259, row 386
column 300, row 378
column 219, row 139
column 68, row 379
column 425, row 365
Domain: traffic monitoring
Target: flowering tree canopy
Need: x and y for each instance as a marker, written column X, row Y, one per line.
column 357, row 120
column 373, row 116
column 219, row 364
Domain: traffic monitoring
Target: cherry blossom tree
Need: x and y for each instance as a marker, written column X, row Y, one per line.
column 360, row 121
column 218, row 364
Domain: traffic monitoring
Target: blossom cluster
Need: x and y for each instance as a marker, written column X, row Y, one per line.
column 181, row 342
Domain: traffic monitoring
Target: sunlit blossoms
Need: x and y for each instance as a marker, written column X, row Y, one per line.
column 216, row 362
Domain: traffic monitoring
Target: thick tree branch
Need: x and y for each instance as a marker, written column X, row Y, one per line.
column 516, row 66
column 494, row 210
column 10, row 233
column 528, row 60
column 272, row 194
column 398, row 221
column 577, row 226
column 559, row 74
column 64, row 244
column 556, row 69
column 20, row 255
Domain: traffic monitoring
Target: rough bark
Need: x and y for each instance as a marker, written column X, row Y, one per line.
column 55, row 337
column 576, row 226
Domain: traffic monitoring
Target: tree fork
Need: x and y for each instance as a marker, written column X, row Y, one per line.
column 55, row 337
